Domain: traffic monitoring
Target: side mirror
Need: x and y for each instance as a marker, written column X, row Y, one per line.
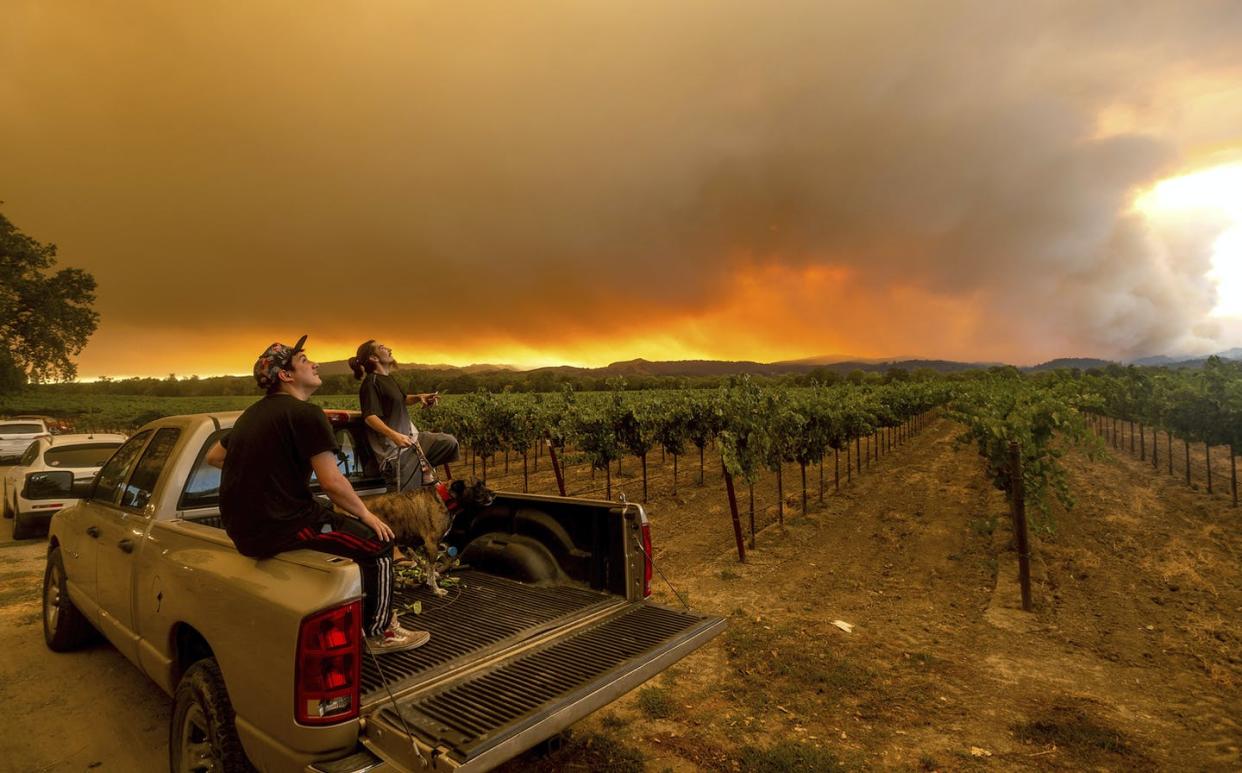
column 54, row 484
column 82, row 489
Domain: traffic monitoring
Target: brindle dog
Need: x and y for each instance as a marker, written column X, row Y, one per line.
column 421, row 517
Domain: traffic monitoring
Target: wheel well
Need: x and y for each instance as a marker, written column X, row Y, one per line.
column 189, row 647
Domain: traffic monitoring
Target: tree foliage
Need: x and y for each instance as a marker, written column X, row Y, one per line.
column 45, row 317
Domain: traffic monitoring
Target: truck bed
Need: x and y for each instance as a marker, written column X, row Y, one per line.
column 482, row 615
column 509, row 664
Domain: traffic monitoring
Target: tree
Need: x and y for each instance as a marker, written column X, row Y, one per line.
column 45, row 319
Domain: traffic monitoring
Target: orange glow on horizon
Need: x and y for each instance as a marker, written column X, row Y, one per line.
column 763, row 313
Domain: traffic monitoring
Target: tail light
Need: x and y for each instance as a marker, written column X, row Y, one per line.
column 646, row 560
column 329, row 661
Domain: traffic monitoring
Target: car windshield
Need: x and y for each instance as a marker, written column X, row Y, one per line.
column 20, row 429
column 83, row 455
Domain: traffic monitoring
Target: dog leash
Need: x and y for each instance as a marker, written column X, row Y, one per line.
column 429, row 472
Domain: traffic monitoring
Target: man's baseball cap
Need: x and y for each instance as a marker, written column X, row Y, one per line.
column 274, row 359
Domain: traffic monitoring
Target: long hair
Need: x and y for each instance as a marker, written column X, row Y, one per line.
column 361, row 363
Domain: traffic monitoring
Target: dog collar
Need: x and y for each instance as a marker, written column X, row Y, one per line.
column 447, row 497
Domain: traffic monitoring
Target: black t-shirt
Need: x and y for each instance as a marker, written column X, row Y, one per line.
column 265, row 495
column 381, row 395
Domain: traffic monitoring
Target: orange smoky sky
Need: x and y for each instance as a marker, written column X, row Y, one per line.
column 565, row 182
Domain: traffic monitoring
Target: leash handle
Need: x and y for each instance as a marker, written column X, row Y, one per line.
column 429, row 472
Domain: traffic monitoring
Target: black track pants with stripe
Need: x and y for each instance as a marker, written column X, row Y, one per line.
column 351, row 538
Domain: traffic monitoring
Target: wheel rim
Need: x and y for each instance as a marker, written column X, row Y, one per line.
column 197, row 754
column 51, row 599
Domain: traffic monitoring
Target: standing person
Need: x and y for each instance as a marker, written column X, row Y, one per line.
column 265, row 498
column 390, row 431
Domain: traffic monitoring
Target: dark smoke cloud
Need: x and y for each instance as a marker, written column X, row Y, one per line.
column 539, row 166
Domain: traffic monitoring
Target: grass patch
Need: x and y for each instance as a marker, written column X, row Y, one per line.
column 1069, row 726
column 611, row 721
column 591, row 751
column 984, row 527
column 787, row 757
column 783, row 666
column 729, row 574
column 656, row 702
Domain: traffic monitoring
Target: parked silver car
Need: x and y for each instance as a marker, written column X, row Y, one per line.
column 41, row 483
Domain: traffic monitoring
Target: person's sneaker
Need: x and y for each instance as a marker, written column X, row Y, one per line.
column 397, row 639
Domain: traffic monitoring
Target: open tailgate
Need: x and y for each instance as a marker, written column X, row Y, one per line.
column 476, row 718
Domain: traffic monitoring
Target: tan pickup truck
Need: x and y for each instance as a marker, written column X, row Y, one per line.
column 264, row 657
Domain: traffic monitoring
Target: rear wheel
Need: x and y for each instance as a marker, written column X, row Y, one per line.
column 203, row 736
column 21, row 529
column 65, row 628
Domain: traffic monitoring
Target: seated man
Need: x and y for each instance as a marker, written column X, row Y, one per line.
column 390, row 431
column 265, row 499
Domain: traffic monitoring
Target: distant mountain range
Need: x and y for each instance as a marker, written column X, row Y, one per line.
column 835, row 363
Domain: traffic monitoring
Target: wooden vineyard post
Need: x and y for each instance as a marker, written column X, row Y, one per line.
column 448, row 474
column 737, row 522
column 1018, row 506
column 780, row 494
column 821, row 479
column 483, row 459
column 644, row 457
column 1233, row 474
column 556, row 468
column 751, row 487
column 836, row 469
column 1142, row 443
column 608, row 480
column 1155, row 449
column 858, row 453
column 1207, row 459
column 674, row 474
column 803, row 488
column 525, row 474
column 848, row 465
column 1131, row 438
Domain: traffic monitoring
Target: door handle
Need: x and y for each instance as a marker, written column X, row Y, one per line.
column 93, row 531
column 126, row 545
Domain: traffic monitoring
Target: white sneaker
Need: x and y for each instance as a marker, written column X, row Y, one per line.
column 397, row 639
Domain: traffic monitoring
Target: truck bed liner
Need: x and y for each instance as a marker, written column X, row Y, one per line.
column 482, row 615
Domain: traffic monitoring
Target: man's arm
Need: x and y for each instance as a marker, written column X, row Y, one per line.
column 426, row 398
column 337, row 487
column 216, row 454
column 377, row 424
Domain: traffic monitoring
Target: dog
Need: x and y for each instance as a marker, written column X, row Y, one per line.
column 424, row 516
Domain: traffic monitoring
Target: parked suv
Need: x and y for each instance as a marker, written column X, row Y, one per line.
column 41, row 483
column 16, row 435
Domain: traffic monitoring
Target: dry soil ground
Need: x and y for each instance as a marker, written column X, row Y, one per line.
column 1131, row 660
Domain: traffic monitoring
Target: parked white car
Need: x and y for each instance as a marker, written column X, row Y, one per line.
column 16, row 435
column 41, row 483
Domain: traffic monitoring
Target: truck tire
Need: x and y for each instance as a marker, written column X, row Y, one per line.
column 202, row 735
column 65, row 628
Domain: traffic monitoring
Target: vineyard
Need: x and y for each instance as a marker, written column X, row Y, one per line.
column 893, row 510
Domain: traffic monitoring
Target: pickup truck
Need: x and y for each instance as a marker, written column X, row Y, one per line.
column 264, row 658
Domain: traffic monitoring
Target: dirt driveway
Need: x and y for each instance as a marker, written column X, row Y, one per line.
column 86, row 710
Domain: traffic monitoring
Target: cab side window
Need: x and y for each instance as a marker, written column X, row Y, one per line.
column 113, row 474
column 203, row 487
column 137, row 492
